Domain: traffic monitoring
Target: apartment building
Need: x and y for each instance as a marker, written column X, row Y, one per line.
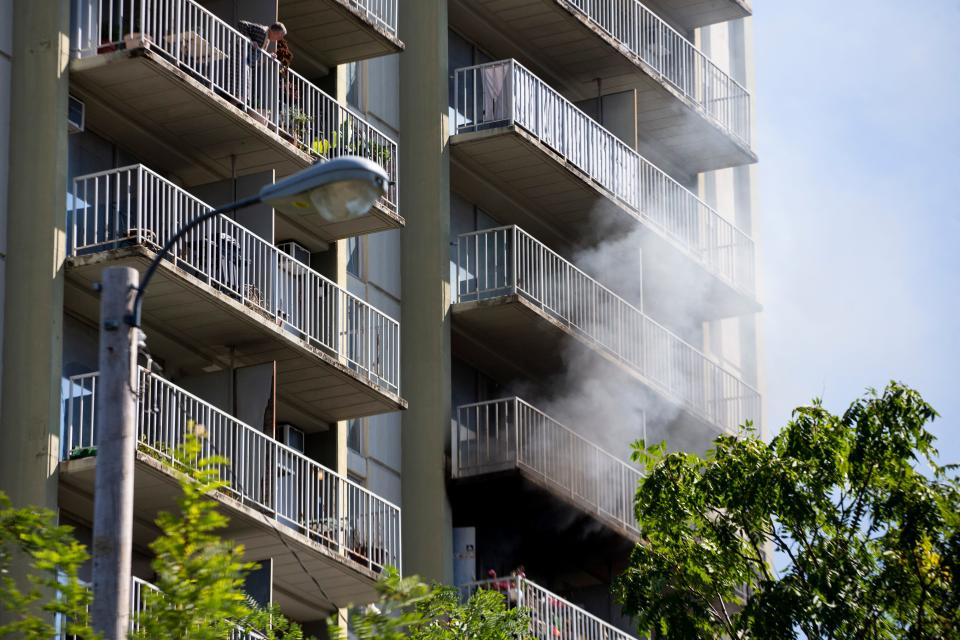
column 564, row 263
column 153, row 112
column 579, row 274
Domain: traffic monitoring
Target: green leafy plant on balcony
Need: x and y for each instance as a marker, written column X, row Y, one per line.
column 299, row 120
column 347, row 140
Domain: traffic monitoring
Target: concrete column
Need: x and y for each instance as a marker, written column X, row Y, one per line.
column 340, row 257
column 425, row 322
column 33, row 330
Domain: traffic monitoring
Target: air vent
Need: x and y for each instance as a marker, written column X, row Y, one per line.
column 75, row 115
column 296, row 250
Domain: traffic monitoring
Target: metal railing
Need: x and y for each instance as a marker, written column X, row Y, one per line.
column 228, row 63
column 135, row 206
column 262, row 473
column 551, row 617
column 674, row 58
column 382, row 13
column 139, row 603
column 506, row 260
column 504, row 434
column 507, row 93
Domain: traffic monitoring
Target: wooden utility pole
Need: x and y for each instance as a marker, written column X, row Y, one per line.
column 115, row 439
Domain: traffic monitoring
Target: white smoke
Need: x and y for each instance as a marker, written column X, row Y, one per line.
column 603, row 401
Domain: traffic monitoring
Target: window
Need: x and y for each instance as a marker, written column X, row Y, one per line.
column 461, row 53
column 355, row 433
column 354, row 256
column 355, row 85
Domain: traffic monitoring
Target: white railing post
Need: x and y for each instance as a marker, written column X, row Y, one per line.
column 455, row 428
column 517, row 430
column 514, row 278
column 511, row 80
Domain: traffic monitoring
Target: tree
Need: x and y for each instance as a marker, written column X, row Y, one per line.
column 49, row 588
column 409, row 609
column 866, row 520
column 200, row 576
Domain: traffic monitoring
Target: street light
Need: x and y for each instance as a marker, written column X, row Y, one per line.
column 338, row 190
column 335, row 190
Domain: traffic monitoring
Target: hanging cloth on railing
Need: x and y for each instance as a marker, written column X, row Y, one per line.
column 494, row 81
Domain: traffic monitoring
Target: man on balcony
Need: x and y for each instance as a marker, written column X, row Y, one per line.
column 263, row 36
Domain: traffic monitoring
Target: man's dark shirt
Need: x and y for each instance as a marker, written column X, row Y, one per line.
column 256, row 32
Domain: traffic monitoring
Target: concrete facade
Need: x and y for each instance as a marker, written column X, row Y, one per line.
column 35, row 224
column 6, row 70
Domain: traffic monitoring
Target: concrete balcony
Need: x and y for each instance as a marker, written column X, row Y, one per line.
column 551, row 617
column 511, row 435
column 226, row 297
column 692, row 116
column 520, row 308
column 325, row 33
column 281, row 504
column 691, row 14
column 530, row 157
column 169, row 81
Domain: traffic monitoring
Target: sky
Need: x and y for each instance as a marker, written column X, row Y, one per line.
column 858, row 133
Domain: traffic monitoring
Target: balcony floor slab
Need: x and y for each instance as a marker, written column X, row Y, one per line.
column 343, row 579
column 520, row 180
column 202, row 325
column 691, row 14
column 540, row 484
column 325, row 33
column 561, row 46
column 143, row 101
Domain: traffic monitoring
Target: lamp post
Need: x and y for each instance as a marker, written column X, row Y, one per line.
column 335, row 190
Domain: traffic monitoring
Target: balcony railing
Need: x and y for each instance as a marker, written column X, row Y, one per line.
column 139, row 602
column 135, row 206
column 551, row 617
column 501, row 434
column 382, row 13
column 228, row 63
column 674, row 58
column 506, row 260
column 506, row 92
column 263, row 474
